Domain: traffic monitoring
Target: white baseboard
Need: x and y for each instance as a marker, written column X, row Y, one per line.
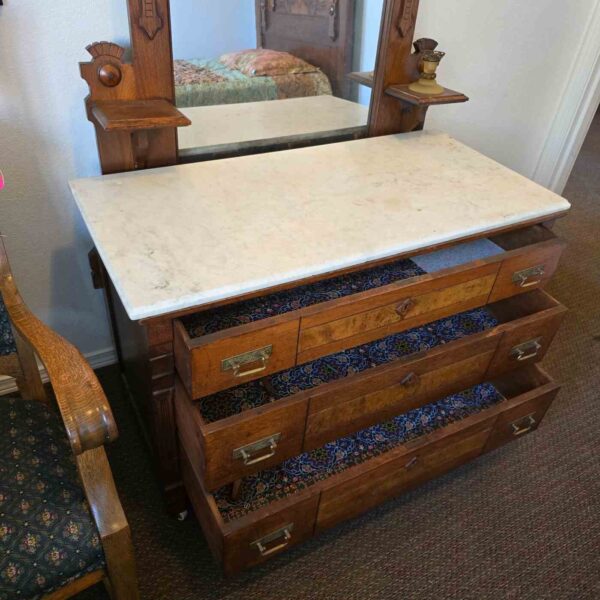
column 576, row 109
column 96, row 359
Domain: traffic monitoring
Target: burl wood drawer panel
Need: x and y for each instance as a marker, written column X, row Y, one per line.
column 391, row 475
column 377, row 314
column 276, row 526
column 248, row 352
column 258, row 438
column 352, row 404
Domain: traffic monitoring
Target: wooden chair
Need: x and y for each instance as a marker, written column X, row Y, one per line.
column 62, row 527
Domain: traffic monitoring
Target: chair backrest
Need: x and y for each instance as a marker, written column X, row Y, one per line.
column 17, row 359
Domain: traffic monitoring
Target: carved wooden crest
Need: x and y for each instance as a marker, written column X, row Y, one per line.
column 407, row 17
column 150, row 21
column 108, row 57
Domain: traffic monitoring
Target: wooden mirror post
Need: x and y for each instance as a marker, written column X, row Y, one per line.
column 132, row 104
column 394, row 108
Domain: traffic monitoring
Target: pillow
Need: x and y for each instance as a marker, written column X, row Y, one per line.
column 266, row 63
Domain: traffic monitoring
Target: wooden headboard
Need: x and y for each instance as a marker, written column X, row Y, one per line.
column 321, row 32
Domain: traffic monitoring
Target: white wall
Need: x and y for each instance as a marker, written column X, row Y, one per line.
column 45, row 139
column 512, row 57
column 230, row 24
column 368, row 24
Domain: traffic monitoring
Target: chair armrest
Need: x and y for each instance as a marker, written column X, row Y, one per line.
column 82, row 403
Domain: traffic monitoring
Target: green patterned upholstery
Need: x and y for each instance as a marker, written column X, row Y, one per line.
column 47, row 535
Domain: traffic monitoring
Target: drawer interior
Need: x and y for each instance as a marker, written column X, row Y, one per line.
column 278, row 303
column 524, row 305
column 301, row 472
column 337, row 366
column 284, row 384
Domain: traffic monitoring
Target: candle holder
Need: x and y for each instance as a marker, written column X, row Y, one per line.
column 427, row 83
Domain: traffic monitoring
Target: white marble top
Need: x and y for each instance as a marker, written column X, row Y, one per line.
column 231, row 127
column 187, row 235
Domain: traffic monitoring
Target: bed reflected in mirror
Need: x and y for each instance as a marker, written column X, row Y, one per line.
column 263, row 75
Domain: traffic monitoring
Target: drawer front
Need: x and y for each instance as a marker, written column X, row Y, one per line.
column 218, row 362
column 256, row 537
column 286, row 524
column 374, row 486
column 371, row 400
column 526, row 341
column 231, row 449
column 527, row 270
column 362, row 321
column 520, row 420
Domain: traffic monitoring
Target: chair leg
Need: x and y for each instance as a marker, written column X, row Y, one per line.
column 122, row 581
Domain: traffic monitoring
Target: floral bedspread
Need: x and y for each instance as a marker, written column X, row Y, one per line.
column 209, row 82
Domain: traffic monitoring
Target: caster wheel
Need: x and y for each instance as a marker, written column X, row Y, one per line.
column 183, row 515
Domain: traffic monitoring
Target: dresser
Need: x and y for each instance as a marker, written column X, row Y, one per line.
column 309, row 333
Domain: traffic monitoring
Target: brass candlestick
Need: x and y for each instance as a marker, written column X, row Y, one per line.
column 427, row 84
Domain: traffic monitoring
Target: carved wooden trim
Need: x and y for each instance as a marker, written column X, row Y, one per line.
column 148, row 78
column 333, row 20
column 408, row 17
column 150, row 21
column 263, row 14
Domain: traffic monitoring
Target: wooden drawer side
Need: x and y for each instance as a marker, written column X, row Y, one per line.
column 527, row 269
column 253, row 441
column 526, row 340
column 251, row 541
column 217, row 362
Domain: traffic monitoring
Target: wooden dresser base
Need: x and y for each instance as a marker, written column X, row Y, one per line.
column 147, row 347
column 268, row 531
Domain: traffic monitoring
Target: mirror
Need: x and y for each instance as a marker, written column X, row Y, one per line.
column 262, row 75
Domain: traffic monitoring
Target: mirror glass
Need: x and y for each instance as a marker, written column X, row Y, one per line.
column 262, row 75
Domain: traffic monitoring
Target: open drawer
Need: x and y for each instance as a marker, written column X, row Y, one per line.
column 283, row 506
column 240, row 431
column 226, row 346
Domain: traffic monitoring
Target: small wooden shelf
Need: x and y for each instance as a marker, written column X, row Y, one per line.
column 133, row 115
column 364, row 78
column 401, row 92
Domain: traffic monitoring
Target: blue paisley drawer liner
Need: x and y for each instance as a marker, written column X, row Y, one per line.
column 337, row 366
column 305, row 470
column 286, row 301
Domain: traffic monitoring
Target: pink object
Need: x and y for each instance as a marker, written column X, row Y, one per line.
column 1, row 180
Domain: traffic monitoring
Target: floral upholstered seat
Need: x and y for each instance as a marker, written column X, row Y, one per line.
column 47, row 534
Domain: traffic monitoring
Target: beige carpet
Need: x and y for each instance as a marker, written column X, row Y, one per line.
column 522, row 523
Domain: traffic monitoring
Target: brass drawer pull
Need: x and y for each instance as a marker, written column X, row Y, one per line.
column 523, row 278
column 235, row 363
column 517, row 429
column 405, row 307
column 248, row 453
column 527, row 350
column 412, row 463
column 411, row 380
column 285, row 534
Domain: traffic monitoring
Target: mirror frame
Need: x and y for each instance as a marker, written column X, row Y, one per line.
column 131, row 104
